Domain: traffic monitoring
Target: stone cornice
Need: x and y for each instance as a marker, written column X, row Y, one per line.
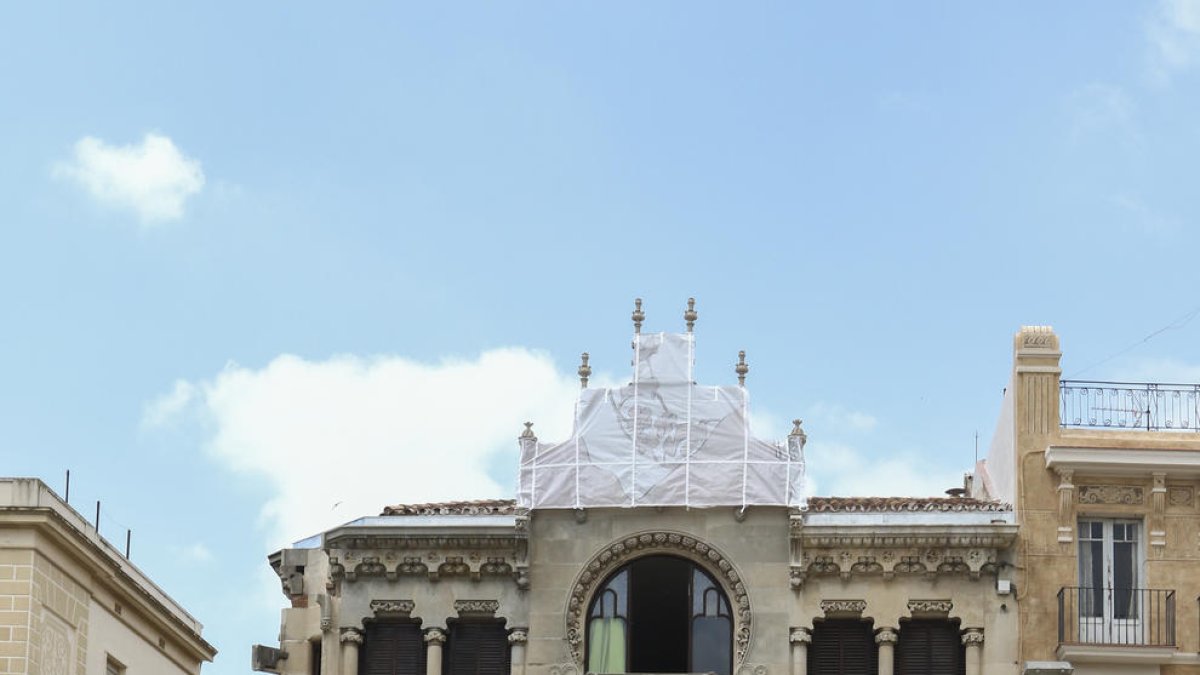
column 997, row 536
column 1153, row 456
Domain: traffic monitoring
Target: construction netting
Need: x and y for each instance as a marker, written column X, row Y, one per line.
column 661, row 440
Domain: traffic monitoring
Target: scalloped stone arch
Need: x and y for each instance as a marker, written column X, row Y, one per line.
column 641, row 544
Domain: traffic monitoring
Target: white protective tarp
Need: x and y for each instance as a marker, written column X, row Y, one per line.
column 661, row 441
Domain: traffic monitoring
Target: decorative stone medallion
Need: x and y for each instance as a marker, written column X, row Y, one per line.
column 1112, row 494
column 1179, row 496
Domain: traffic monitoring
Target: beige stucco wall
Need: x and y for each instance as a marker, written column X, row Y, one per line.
column 110, row 635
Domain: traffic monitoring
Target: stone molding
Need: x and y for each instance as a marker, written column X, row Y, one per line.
column 435, row 636
column 352, row 635
column 1111, row 494
column 889, row 562
column 404, row 607
column 641, row 544
column 930, row 607
column 476, row 606
column 844, row 606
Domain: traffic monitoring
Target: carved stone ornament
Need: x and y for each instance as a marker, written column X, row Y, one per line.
column 1179, row 496
column 843, row 606
column 518, row 636
column 352, row 635
column 648, row 543
column 564, row 669
column 929, row 606
column 973, row 637
column 752, row 669
column 801, row 636
column 886, row 636
column 404, row 607
column 476, row 606
column 435, row 636
column 1111, row 494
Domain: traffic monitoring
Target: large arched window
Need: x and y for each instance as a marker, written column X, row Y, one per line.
column 660, row 614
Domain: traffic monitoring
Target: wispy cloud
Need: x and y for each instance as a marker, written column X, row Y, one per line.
column 835, row 418
column 152, row 178
column 842, row 470
column 337, row 439
column 1173, row 33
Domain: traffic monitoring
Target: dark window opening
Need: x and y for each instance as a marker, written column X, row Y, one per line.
column 842, row 647
column 477, row 647
column 390, row 648
column 930, row 647
column 314, row 657
column 660, row 614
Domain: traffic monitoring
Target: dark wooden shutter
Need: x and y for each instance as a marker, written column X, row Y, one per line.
column 477, row 647
column 929, row 647
column 842, row 647
column 392, row 648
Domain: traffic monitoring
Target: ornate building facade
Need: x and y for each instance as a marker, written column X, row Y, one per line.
column 661, row 537
column 1103, row 477
column 71, row 604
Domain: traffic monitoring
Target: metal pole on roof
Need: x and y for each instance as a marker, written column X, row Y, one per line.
column 128, row 536
column 97, row 523
column 68, row 497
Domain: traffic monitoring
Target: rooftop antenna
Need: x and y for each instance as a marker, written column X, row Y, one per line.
column 977, row 446
column 741, row 368
column 585, row 371
column 690, row 314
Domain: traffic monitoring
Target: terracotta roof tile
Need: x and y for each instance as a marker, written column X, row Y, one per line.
column 477, row 507
column 897, row 504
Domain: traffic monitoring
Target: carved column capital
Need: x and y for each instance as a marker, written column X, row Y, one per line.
column 973, row 637
column 886, row 636
column 518, row 636
column 800, row 636
column 352, row 636
column 435, row 636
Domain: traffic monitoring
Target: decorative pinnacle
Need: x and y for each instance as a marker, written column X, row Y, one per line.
column 741, row 368
column 796, row 428
column 528, row 433
column 585, row 371
column 638, row 315
column 690, row 315
column 798, row 434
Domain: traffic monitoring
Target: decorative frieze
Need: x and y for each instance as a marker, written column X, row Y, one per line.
column 942, row 607
column 476, row 606
column 1180, row 496
column 1112, row 494
column 401, row 607
column 843, row 606
column 888, row 563
column 617, row 554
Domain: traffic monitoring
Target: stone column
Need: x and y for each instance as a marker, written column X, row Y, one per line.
column 886, row 639
column 973, row 639
column 800, row 637
column 434, row 639
column 517, row 638
column 351, row 639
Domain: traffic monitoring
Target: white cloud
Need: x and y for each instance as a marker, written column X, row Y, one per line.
column 1173, row 32
column 153, row 178
column 836, row 418
column 195, row 553
column 337, row 439
column 842, row 471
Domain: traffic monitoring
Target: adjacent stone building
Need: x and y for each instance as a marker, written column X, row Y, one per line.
column 1103, row 478
column 661, row 537
column 71, row 604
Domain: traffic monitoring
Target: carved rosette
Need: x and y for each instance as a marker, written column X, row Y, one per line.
column 648, row 543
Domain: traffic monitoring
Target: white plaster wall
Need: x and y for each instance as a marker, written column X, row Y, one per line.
column 108, row 634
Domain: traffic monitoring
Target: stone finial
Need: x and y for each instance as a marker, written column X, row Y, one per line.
column 585, row 371
column 689, row 315
column 798, row 431
column 638, row 315
column 741, row 368
column 528, row 433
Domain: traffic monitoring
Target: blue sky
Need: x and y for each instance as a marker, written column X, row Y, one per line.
column 268, row 267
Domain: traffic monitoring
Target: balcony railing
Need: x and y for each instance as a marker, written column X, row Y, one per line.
column 1116, row 616
column 1127, row 405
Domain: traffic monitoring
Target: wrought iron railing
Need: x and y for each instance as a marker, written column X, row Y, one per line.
column 1116, row 616
column 1127, row 405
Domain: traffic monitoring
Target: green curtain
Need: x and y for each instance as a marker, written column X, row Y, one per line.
column 606, row 645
